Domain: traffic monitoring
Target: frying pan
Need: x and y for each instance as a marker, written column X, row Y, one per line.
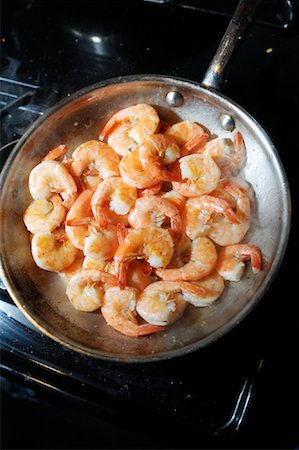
column 40, row 295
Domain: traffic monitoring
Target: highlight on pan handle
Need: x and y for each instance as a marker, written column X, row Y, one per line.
column 242, row 17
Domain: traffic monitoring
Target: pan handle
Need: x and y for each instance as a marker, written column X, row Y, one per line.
column 242, row 17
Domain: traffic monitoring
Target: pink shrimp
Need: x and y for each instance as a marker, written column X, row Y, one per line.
column 153, row 210
column 231, row 260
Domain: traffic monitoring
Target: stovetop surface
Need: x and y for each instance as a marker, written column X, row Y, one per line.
column 239, row 391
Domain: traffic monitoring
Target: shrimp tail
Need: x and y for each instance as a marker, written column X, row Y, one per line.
column 121, row 232
column 194, row 145
column 56, row 153
column 147, row 328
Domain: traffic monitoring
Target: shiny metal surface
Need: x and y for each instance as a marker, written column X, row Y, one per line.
column 243, row 15
column 227, row 122
column 41, row 295
column 174, row 98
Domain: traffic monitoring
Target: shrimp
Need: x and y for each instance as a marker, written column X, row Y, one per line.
column 153, row 210
column 155, row 189
column 85, row 289
column 95, row 158
column 152, row 243
column 134, row 174
column 78, row 219
column 50, row 177
column 224, row 232
column 52, row 252
column 205, row 291
column 145, row 166
column 115, row 195
column 231, row 260
column 200, row 212
column 119, row 311
column 56, row 153
column 228, row 155
column 155, row 152
column 101, row 244
column 44, row 215
column 138, row 276
column 183, row 132
column 174, row 197
column 200, row 175
column 161, row 303
column 203, row 259
column 128, row 127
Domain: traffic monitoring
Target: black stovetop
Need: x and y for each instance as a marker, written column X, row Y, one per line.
column 241, row 391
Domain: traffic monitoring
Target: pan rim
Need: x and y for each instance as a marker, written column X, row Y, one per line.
column 215, row 335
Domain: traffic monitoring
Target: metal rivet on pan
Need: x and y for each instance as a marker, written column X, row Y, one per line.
column 227, row 122
column 174, row 98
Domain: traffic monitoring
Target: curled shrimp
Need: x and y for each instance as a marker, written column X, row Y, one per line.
column 200, row 212
column 202, row 261
column 133, row 173
column 229, row 155
column 188, row 135
column 156, row 152
column 146, row 166
column 50, row 177
column 205, row 291
column 85, row 290
column 152, row 210
column 78, row 219
column 200, row 175
column 231, row 260
column 128, row 127
column 52, row 251
column 95, row 157
column 161, row 303
column 184, row 131
column 101, row 244
column 152, row 243
column 119, row 311
column 112, row 196
column 224, row 232
column 44, row 215
column 174, row 197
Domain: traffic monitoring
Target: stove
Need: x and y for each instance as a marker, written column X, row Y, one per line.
column 240, row 391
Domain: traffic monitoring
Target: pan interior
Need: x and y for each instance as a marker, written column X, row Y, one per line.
column 41, row 295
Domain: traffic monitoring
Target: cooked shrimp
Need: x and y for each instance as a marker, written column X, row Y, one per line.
column 205, row 291
column 95, row 157
column 224, row 232
column 52, row 252
column 228, row 155
column 85, row 289
column 152, row 210
column 200, row 175
column 50, row 177
column 78, row 219
column 134, row 174
column 138, row 276
column 119, row 311
column 129, row 127
column 152, row 243
column 161, row 303
column 202, row 261
column 156, row 152
column 183, row 132
column 75, row 267
column 151, row 190
column 101, row 244
column 56, row 153
column 231, row 260
column 200, row 212
column 44, row 215
column 174, row 197
column 115, row 195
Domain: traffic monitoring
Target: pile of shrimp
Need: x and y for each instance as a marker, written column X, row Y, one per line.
column 144, row 220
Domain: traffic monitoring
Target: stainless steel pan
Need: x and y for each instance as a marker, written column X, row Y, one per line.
column 41, row 295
